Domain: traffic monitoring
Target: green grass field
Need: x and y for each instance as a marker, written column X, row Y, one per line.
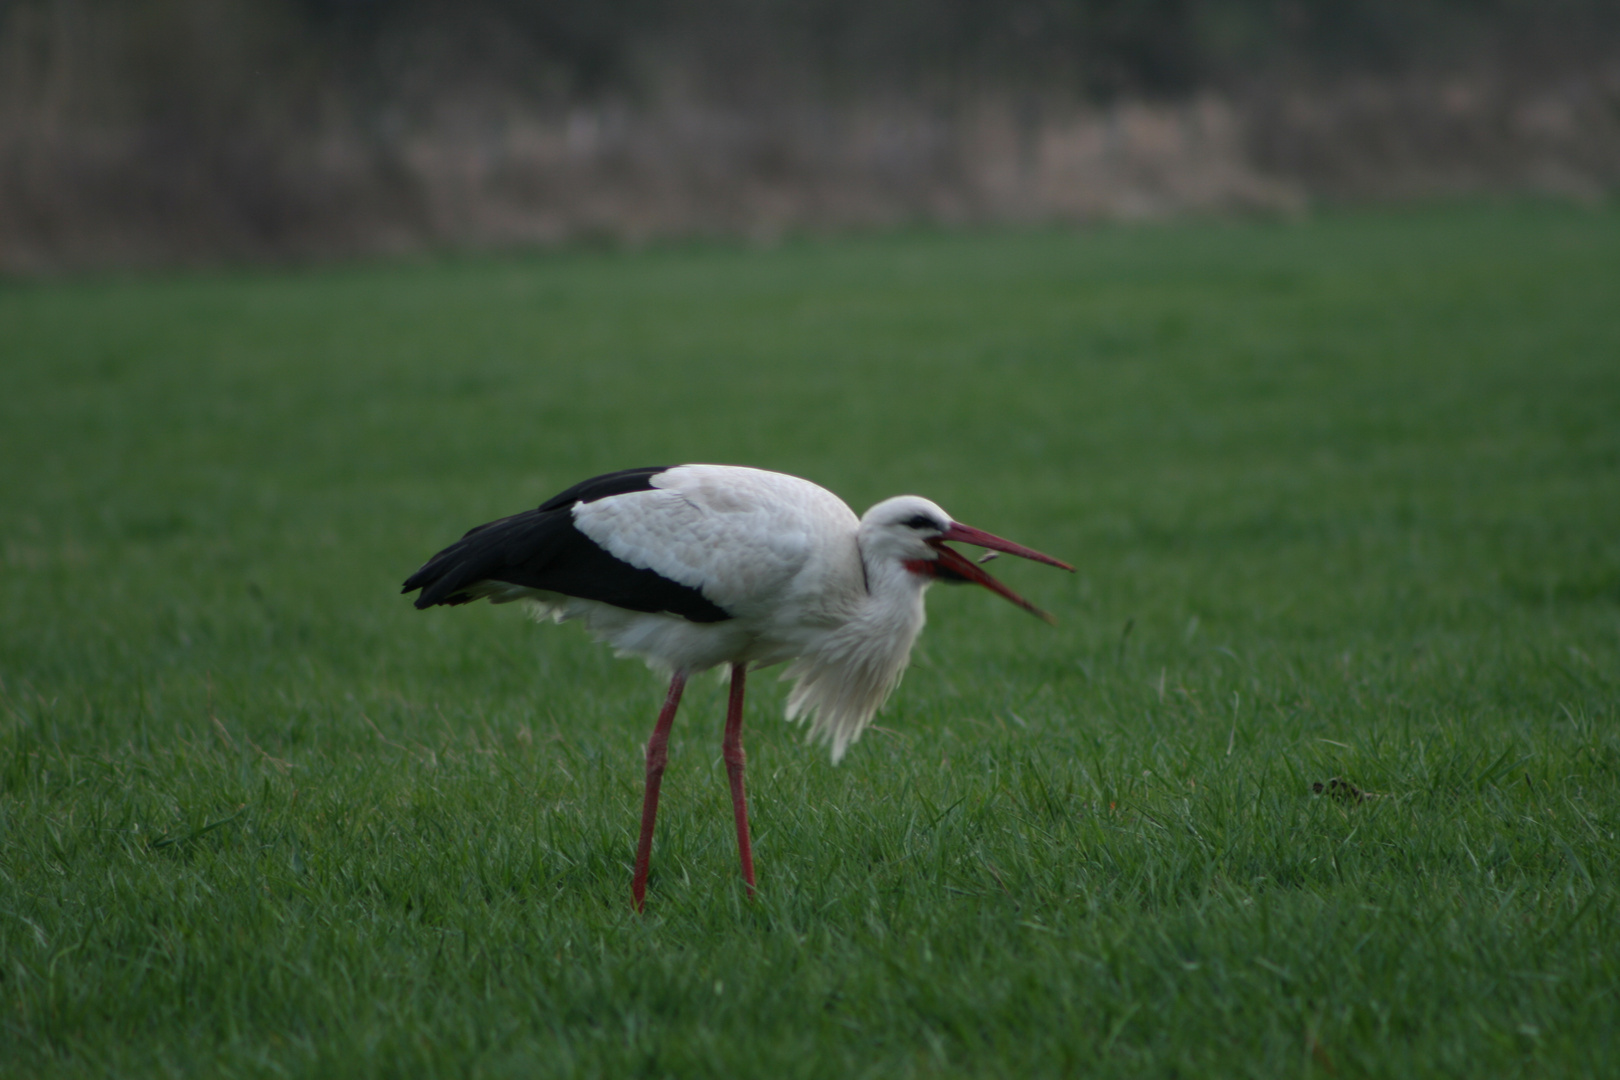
column 1345, row 500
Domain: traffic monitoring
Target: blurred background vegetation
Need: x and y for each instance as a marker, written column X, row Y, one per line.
column 162, row 131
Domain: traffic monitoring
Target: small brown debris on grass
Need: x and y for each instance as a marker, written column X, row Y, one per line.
column 1340, row 789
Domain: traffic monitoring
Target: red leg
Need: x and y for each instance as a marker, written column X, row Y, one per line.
column 733, row 752
column 657, row 756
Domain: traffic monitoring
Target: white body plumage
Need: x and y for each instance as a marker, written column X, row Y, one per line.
column 803, row 578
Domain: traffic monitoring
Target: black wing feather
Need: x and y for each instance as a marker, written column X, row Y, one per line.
column 600, row 487
column 541, row 549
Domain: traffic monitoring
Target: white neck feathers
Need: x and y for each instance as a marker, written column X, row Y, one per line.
column 852, row 671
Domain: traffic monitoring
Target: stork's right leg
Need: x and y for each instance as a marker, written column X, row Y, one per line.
column 657, row 756
column 733, row 751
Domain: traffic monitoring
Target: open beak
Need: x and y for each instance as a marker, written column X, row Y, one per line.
column 952, row 565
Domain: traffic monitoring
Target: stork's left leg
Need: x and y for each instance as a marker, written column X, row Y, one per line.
column 732, row 750
column 657, row 758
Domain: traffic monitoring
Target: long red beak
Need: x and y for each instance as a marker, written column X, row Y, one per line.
column 953, row 564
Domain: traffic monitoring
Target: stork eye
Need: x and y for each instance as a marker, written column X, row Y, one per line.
column 923, row 521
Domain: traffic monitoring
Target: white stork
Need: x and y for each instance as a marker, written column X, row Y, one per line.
column 694, row 566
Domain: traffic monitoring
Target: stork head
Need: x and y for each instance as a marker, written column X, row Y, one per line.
column 912, row 531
